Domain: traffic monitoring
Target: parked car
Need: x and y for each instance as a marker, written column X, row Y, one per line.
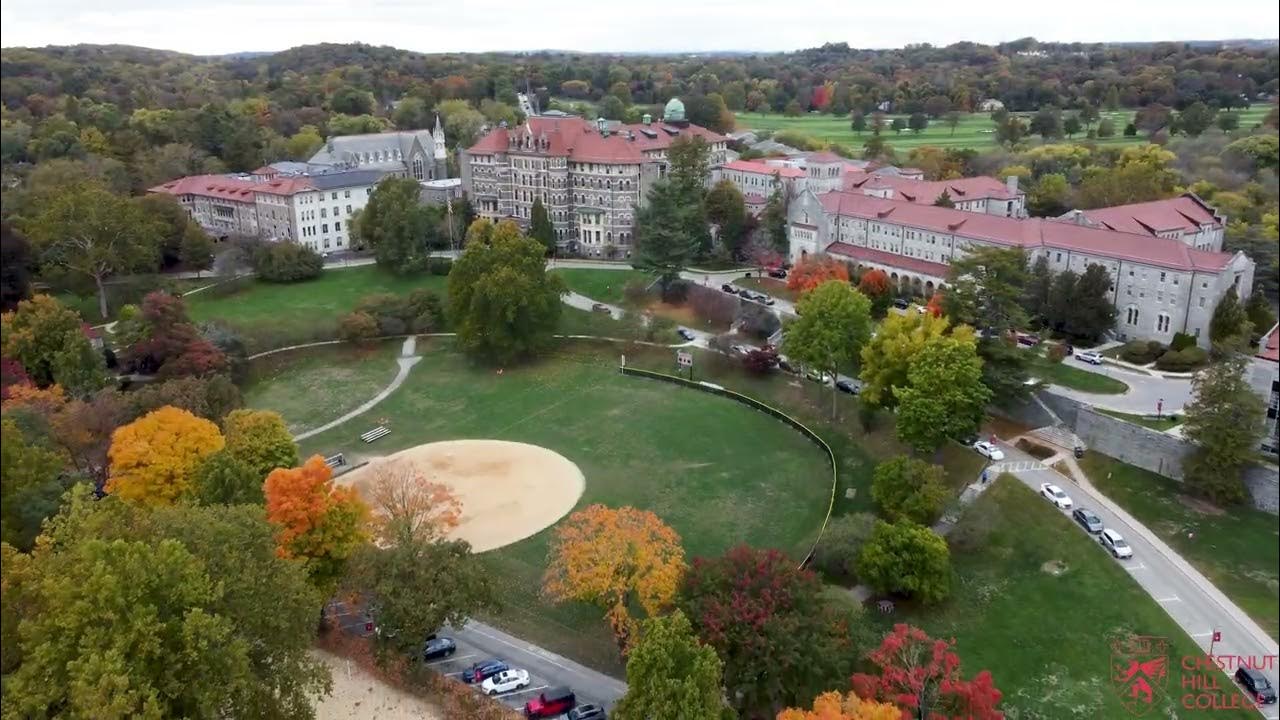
column 685, row 333
column 747, row 294
column 901, row 304
column 1257, row 685
column 1086, row 519
column 483, row 670
column 786, row 365
column 988, row 450
column 729, row 289
column 779, row 273
column 551, row 702
column 1055, row 495
column 587, row 712
column 818, row 376
column 1028, row 339
column 761, row 297
column 847, row 386
column 1089, row 356
column 1115, row 544
column 505, row 681
column 920, row 309
column 437, row 648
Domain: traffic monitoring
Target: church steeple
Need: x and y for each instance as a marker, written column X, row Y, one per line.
column 437, row 137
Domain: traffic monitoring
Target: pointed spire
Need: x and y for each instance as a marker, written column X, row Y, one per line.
column 438, row 130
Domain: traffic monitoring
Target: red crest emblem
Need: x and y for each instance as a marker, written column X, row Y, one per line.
column 1139, row 671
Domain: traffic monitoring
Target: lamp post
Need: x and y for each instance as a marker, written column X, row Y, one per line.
column 1160, row 409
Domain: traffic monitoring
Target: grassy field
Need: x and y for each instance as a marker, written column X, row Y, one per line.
column 1073, row 377
column 639, row 442
column 1160, row 425
column 313, row 386
column 605, row 286
column 1237, row 549
column 975, row 130
column 1044, row 636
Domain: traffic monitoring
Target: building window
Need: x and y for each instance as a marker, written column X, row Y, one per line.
column 334, row 195
column 324, row 228
column 346, row 193
column 1162, row 323
column 1201, row 302
column 1162, row 277
column 337, row 226
column 1131, row 315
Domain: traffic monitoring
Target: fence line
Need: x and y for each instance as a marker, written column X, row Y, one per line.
column 767, row 409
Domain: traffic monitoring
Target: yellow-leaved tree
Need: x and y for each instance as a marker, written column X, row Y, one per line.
column 834, row 706
column 154, row 458
column 613, row 557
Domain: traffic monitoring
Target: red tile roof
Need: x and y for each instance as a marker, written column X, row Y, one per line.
column 755, row 199
column 926, row 192
column 823, row 156
column 1270, row 349
column 1027, row 233
column 580, row 140
column 759, row 168
column 233, row 188
column 1185, row 214
column 865, row 254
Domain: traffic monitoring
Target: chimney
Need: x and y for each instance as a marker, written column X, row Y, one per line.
column 1011, row 183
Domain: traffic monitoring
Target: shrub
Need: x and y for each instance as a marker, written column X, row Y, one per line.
column 659, row 328
column 210, row 397
column 909, row 489
column 1141, row 352
column 636, row 292
column 836, row 555
column 357, row 327
column 761, row 360
column 1183, row 360
column 1182, row 341
column 286, row 262
column 419, row 311
column 906, row 559
column 1056, row 353
column 439, row 265
column 757, row 320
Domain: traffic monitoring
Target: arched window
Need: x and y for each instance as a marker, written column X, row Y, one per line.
column 417, row 169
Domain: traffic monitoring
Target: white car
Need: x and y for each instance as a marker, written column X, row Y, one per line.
column 1089, row 356
column 988, row 450
column 1115, row 544
column 1055, row 495
column 505, row 681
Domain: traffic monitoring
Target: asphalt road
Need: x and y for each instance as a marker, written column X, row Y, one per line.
column 1187, row 596
column 1145, row 390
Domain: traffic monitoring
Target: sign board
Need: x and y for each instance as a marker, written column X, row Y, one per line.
column 684, row 358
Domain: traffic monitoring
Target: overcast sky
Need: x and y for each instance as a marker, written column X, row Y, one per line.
column 223, row 26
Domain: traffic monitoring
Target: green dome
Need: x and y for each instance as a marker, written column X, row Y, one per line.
column 674, row 111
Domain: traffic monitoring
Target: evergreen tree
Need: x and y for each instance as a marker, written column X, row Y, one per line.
column 944, row 200
column 774, row 218
column 540, row 228
column 1230, row 327
column 857, row 122
column 1091, row 313
column 987, row 291
column 1061, row 295
column 1223, row 421
column 664, row 244
column 1039, row 286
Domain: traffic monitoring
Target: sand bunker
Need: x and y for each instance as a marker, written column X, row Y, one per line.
column 508, row 490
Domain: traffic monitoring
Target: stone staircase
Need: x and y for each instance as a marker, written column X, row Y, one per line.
column 1057, row 436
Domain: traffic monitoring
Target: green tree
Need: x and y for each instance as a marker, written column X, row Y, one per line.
column 1230, row 327
column 397, row 226
column 223, row 479
column 304, row 143
column 1049, row 196
column 1047, row 123
column 834, row 324
column 502, row 302
column 92, row 234
column 1091, row 313
column 1261, row 316
column 905, row 488
column 411, row 113
column 897, row 125
column 196, row 251
column 944, row 396
column 857, row 122
column 1071, row 125
column 1010, row 130
column 259, row 440
column 540, row 227
column 774, row 217
column 1061, row 294
column 728, row 209
column 1223, row 422
column 907, row 559
column 46, row 337
column 461, row 122
column 887, row 356
column 944, row 200
column 1088, row 115
column 30, row 485
column 1112, row 101
column 689, row 159
column 1197, row 118
column 1039, row 289
column 986, row 291
column 836, row 554
column 952, row 119
column 671, row 675
column 1228, row 122
column 664, row 244
column 1106, row 128
column 918, row 122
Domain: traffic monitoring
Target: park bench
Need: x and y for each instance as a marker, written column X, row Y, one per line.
column 335, row 461
column 378, row 432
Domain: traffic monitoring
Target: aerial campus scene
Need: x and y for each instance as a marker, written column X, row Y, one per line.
column 809, row 361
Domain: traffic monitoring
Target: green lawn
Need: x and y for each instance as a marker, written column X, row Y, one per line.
column 1073, row 377
column 604, row 286
column 770, row 286
column 975, row 130
column 639, row 442
column 1160, row 425
column 1044, row 637
column 1238, row 549
column 313, row 386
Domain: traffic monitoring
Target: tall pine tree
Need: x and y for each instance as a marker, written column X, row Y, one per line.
column 664, row 243
column 540, row 228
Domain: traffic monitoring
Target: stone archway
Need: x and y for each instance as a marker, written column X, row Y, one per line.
column 928, row 288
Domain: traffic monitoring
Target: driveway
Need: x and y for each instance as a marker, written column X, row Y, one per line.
column 1188, row 597
column 1145, row 390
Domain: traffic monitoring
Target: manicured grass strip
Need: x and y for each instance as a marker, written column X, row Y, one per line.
column 604, row 286
column 313, row 386
column 1074, row 378
column 1044, row 630
column 1160, row 425
column 1237, row 549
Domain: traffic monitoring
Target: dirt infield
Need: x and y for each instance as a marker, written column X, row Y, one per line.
column 357, row 695
column 508, row 490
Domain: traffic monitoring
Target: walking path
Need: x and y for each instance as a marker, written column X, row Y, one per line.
column 406, row 361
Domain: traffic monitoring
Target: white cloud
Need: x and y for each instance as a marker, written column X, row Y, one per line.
column 437, row 26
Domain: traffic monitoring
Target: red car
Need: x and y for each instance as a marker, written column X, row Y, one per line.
column 552, row 702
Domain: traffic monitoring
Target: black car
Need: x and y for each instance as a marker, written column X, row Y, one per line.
column 1257, row 685
column 746, row 294
column 1086, row 519
column 437, row 648
column 685, row 333
column 901, row 304
column 778, row 273
column 729, row 289
column 847, row 386
column 483, row 670
column 587, row 712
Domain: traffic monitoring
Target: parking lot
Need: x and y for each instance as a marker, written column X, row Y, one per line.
column 478, row 642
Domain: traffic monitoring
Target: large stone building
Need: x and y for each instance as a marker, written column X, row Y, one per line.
column 1186, row 218
column 591, row 177
column 419, row 154
column 1160, row 285
column 973, row 194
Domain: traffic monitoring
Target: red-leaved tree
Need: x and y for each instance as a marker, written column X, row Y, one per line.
column 874, row 283
column 171, row 345
column 935, row 304
column 922, row 676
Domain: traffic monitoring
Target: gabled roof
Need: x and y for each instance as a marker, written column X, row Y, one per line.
column 1026, row 233
column 582, row 141
column 866, row 254
column 926, row 192
column 1184, row 214
column 760, row 168
column 224, row 187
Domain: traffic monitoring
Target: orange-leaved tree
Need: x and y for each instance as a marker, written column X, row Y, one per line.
column 154, row 458
column 612, row 557
column 813, row 270
column 874, row 283
column 935, row 304
column 318, row 522
column 406, row 504
column 833, row 706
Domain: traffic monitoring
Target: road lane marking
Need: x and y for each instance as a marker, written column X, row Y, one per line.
column 521, row 691
column 1203, row 634
column 1139, row 566
column 1173, row 598
column 452, row 658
